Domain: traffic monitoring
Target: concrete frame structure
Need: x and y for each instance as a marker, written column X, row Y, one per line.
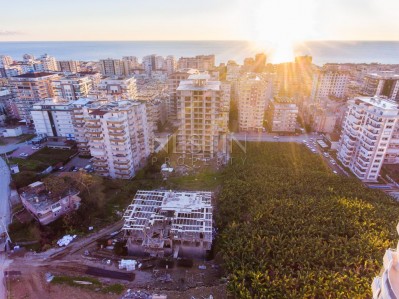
column 202, row 110
column 282, row 115
column 162, row 223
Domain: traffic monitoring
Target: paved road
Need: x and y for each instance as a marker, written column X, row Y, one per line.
column 4, row 194
column 267, row 137
column 4, row 218
column 9, row 147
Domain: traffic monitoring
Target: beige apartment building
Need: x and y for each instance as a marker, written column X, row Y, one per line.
column 282, row 115
column 201, row 114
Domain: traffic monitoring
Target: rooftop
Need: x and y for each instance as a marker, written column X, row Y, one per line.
column 378, row 102
column 34, row 75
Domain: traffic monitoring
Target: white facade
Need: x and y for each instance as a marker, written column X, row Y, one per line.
column 201, row 114
column 367, row 132
column 53, row 119
column 117, row 134
column 386, row 286
column 72, row 88
column 112, row 67
column 125, row 88
column 282, row 115
column 327, row 83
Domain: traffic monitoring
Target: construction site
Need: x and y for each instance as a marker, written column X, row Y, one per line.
column 160, row 249
column 165, row 223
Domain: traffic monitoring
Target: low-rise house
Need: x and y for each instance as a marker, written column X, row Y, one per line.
column 45, row 206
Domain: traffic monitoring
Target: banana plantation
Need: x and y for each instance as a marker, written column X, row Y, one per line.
column 290, row 228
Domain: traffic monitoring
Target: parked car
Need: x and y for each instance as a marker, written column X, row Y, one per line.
column 333, row 162
column 335, row 172
column 276, row 137
column 23, row 155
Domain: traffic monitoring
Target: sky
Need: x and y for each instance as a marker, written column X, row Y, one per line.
column 266, row 20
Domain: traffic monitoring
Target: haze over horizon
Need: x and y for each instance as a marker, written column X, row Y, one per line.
column 272, row 21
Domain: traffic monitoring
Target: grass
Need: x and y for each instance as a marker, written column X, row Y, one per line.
column 25, row 137
column 115, row 288
column 53, row 156
column 29, row 164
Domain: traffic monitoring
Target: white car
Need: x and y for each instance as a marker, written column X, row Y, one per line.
column 304, row 141
column 335, row 172
column 23, row 155
column 332, row 161
column 276, row 137
column 313, row 150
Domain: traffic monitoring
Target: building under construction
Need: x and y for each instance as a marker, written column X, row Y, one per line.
column 165, row 223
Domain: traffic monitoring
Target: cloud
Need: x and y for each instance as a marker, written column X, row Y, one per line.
column 9, row 32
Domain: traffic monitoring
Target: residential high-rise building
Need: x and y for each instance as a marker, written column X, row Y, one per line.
column 201, row 116
column 382, row 84
column 129, row 64
column 149, row 64
column 112, row 67
column 53, row 118
column 282, row 115
column 386, row 286
column 46, row 63
column 5, row 61
column 119, row 87
column 68, row 66
column 72, row 87
column 170, row 64
column 260, row 62
column 252, row 102
column 118, row 136
column 329, row 83
column 30, row 88
column 173, row 83
column 232, row 71
column 367, row 131
column 200, row 62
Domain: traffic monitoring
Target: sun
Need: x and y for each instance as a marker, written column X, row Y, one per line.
column 278, row 25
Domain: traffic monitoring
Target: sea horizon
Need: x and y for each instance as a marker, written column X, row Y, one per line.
column 333, row 51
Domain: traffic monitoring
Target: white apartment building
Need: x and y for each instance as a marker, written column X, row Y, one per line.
column 72, row 87
column 367, row 131
column 232, row 71
column 68, row 66
column 46, row 63
column 252, row 101
column 386, row 286
column 201, row 114
column 112, row 67
column 329, row 83
column 149, row 64
column 5, row 61
column 170, row 64
column 117, row 134
column 119, row 87
column 282, row 115
column 53, row 118
column 384, row 83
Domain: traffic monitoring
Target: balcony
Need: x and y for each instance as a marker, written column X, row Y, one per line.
column 122, row 162
column 120, row 139
column 93, row 125
column 114, row 133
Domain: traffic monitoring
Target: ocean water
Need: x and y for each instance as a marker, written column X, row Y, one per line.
column 322, row 52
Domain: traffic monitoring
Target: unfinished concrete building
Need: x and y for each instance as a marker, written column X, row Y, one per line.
column 165, row 223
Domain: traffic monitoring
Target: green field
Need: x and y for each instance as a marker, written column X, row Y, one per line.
column 289, row 228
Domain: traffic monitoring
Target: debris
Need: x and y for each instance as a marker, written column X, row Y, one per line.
column 65, row 240
column 49, row 277
column 129, row 265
